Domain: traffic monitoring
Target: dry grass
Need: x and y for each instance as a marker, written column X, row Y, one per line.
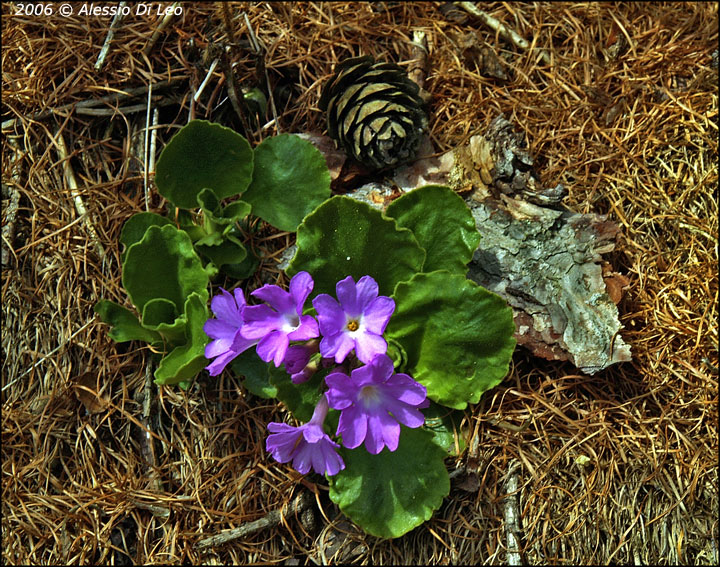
column 620, row 467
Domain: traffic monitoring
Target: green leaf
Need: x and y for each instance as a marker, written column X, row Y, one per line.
column 389, row 494
column 163, row 265
column 161, row 315
column 444, row 423
column 458, row 336
column 244, row 269
column 256, row 374
column 210, row 205
column 124, row 323
column 183, row 363
column 236, row 211
column 184, row 220
column 203, row 154
column 442, row 224
column 135, row 227
column 158, row 311
column 228, row 251
column 346, row 237
column 290, row 179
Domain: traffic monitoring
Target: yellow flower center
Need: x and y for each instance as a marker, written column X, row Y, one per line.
column 353, row 325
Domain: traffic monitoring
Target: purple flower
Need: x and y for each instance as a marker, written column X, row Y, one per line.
column 225, row 330
column 374, row 402
column 306, row 445
column 297, row 361
column 357, row 321
column 281, row 321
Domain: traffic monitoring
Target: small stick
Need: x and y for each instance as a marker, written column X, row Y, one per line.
column 163, row 24
column 111, row 32
column 258, row 53
column 8, row 230
column 122, row 109
column 232, row 91
column 419, row 68
column 147, row 443
column 273, row 518
column 506, row 33
column 77, row 199
column 237, row 103
column 153, row 148
column 512, row 517
column 84, row 106
column 419, row 48
column 202, row 86
column 147, row 143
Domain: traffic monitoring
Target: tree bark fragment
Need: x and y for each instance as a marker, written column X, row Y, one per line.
column 546, row 262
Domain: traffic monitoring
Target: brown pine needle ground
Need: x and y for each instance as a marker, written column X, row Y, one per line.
column 620, row 467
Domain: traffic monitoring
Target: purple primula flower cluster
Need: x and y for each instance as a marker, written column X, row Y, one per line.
column 372, row 399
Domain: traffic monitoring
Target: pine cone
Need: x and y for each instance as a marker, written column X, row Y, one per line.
column 374, row 111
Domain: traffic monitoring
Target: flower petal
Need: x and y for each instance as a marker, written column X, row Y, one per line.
column 347, row 296
column 341, row 390
column 368, row 346
column 308, row 329
column 366, row 292
column 217, row 329
column 260, row 320
column 225, row 308
column 219, row 364
column 276, row 297
column 301, row 285
column 239, row 298
column 241, row 344
column 303, row 459
column 377, row 314
column 352, row 425
column 338, row 345
column 409, row 416
column 218, row 347
column 404, row 389
column 330, row 315
column 381, row 430
column 333, row 462
column 273, row 346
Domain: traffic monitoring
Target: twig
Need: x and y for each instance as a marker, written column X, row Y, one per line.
column 153, row 148
column 147, row 143
column 418, row 71
column 8, row 230
column 85, row 105
column 206, row 80
column 232, row 92
column 238, row 103
column 111, row 32
column 227, row 19
column 163, row 24
column 123, row 109
column 419, row 50
column 260, row 53
column 147, row 443
column 77, row 199
column 512, row 516
column 506, row 33
column 302, row 502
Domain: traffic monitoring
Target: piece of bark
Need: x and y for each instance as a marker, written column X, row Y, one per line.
column 475, row 52
column 544, row 261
